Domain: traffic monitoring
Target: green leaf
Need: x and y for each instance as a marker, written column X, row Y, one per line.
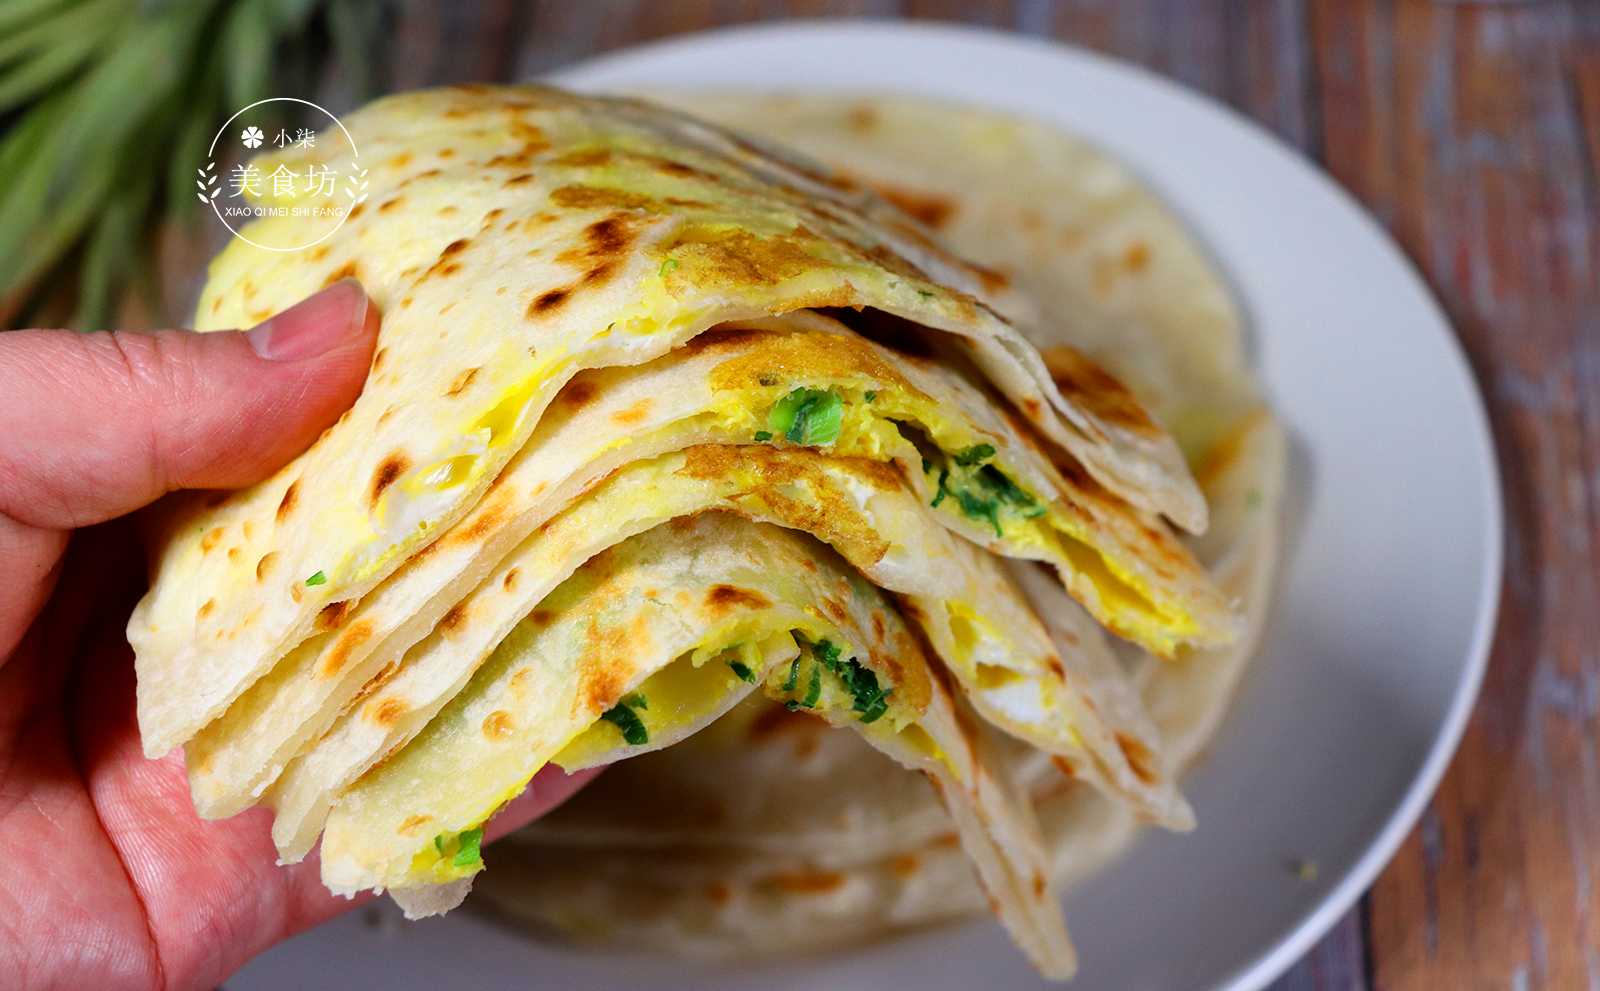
column 247, row 39
column 317, row 579
column 14, row 14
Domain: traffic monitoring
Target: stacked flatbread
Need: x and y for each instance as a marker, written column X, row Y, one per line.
column 668, row 432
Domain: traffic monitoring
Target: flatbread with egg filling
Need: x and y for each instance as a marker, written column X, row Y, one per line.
column 708, row 606
column 512, row 238
column 1058, row 219
column 797, row 381
column 1059, row 689
column 696, row 851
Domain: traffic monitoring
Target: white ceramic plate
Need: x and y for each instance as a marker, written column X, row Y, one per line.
column 1384, row 614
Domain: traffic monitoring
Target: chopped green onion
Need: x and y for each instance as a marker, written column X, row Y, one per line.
column 469, row 853
column 979, row 508
column 794, row 674
column 743, row 671
column 944, row 476
column 871, row 395
column 317, row 579
column 667, row 266
column 925, row 294
column 636, row 700
column 815, row 691
column 975, row 454
column 808, row 416
column 628, row 722
column 762, row 436
column 438, row 843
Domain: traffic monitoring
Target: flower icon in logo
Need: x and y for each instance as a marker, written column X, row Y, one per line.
column 252, row 137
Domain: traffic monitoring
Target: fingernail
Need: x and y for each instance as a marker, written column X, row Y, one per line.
column 313, row 326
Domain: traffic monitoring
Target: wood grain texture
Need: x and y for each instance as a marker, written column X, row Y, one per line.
column 1472, row 131
column 1469, row 141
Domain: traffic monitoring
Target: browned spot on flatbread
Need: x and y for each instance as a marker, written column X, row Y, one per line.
column 547, row 302
column 334, row 614
column 1086, row 384
column 1140, row 758
column 452, row 620
column 1039, row 885
column 461, row 381
column 346, row 271
column 264, row 566
column 862, row 118
column 718, row 893
column 509, row 582
column 721, row 599
column 1056, row 668
column 579, row 393
column 877, row 625
column 357, row 210
column 387, row 471
column 932, row 210
column 206, row 608
column 599, row 197
column 742, row 259
column 486, row 517
column 633, row 415
column 390, row 204
column 234, row 554
column 1137, row 257
column 413, row 823
column 584, row 158
column 603, row 684
column 378, row 357
column 374, row 683
column 499, row 725
column 211, row 538
column 399, row 161
column 521, row 179
column 387, row 712
column 521, row 682
column 992, row 280
column 805, row 881
column 835, row 609
column 354, row 636
column 541, row 617
column 825, row 511
column 905, row 864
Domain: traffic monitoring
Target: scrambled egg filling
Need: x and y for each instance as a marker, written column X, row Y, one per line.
column 818, row 676
column 967, row 482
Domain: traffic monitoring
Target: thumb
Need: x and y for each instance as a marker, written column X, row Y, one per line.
column 96, row 425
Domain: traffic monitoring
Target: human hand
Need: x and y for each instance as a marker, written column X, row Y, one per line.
column 107, row 876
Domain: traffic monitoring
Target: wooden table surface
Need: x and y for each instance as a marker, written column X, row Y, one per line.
column 1473, row 132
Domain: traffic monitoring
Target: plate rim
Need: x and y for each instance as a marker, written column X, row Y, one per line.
column 1278, row 955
